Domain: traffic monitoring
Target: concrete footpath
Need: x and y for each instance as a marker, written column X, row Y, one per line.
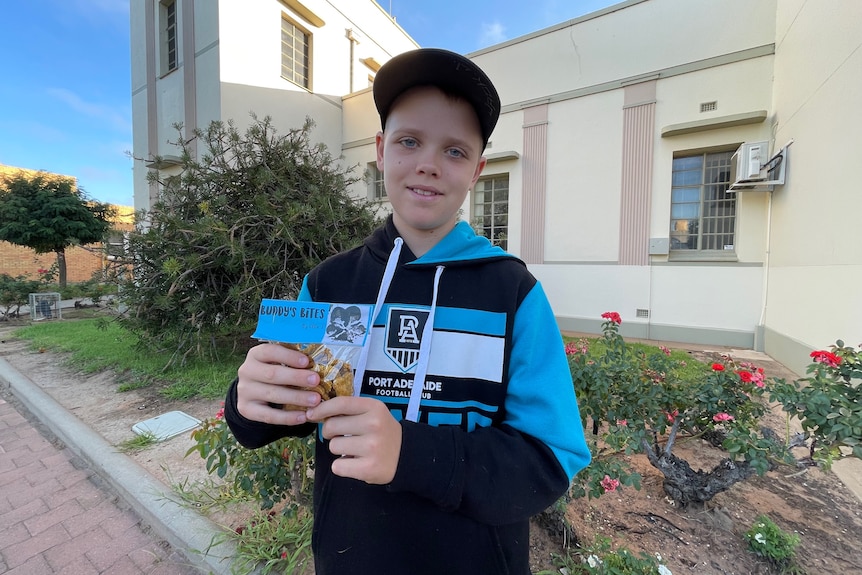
column 71, row 503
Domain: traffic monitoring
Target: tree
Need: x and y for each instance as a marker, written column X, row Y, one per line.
column 245, row 222
column 48, row 215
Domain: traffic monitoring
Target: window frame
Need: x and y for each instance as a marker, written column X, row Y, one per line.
column 308, row 37
column 116, row 244
column 168, row 37
column 376, row 185
column 722, row 196
column 499, row 233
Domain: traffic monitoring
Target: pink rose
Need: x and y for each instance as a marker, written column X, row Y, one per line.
column 609, row 484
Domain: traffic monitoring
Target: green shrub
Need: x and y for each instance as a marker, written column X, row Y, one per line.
column 245, row 222
column 640, row 400
column 600, row 559
column 828, row 403
column 768, row 541
column 269, row 474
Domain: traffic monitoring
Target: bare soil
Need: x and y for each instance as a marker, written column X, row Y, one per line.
column 817, row 505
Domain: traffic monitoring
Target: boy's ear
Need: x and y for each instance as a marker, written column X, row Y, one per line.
column 479, row 167
column 378, row 144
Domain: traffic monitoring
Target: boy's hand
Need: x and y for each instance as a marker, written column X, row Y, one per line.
column 362, row 430
column 274, row 374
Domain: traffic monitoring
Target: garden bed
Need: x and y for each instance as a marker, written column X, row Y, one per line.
column 816, row 505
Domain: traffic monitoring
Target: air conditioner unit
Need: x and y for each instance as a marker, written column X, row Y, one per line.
column 753, row 169
column 747, row 162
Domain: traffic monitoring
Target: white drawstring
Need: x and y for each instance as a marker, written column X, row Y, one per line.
column 424, row 355
column 391, row 263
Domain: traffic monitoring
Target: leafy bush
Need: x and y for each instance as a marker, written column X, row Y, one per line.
column 639, row 402
column 244, row 223
column 283, row 470
column 767, row 540
column 828, row 403
column 93, row 289
column 14, row 293
column 600, row 559
column 268, row 474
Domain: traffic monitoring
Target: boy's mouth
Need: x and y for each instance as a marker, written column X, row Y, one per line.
column 424, row 192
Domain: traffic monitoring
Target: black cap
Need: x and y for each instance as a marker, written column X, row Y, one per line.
column 451, row 72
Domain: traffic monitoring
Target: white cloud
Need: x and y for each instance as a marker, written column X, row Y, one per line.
column 107, row 114
column 100, row 14
column 492, row 33
column 107, row 6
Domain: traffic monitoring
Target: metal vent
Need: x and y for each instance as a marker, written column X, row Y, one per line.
column 642, row 313
column 708, row 106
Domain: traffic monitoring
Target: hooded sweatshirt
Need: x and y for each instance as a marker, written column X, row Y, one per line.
column 493, row 438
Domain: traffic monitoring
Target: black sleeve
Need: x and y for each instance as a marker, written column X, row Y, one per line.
column 254, row 434
column 496, row 475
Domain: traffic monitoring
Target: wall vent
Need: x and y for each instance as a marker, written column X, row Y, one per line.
column 709, row 106
column 642, row 313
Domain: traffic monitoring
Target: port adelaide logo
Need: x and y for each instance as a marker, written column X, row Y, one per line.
column 404, row 335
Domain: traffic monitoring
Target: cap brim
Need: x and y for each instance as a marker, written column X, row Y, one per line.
column 451, row 72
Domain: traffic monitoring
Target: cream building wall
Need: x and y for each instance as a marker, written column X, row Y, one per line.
column 681, row 54
column 587, row 140
column 814, row 293
column 229, row 66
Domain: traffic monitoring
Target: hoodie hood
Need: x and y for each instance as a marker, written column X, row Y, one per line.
column 459, row 246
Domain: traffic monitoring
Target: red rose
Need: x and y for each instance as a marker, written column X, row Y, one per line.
column 826, row 357
column 613, row 317
column 717, row 367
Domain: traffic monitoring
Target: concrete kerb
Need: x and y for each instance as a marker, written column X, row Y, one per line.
column 198, row 538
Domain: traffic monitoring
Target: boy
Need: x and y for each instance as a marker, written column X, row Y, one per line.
column 451, row 447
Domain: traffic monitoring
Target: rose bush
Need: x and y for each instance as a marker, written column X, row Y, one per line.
column 269, row 474
column 828, row 403
column 638, row 402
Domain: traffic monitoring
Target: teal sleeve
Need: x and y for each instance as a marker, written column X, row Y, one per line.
column 304, row 294
column 541, row 398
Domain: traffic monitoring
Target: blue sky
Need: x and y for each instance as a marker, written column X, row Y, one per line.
column 65, row 80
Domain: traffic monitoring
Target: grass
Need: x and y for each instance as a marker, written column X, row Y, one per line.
column 275, row 543
column 688, row 368
column 95, row 345
column 138, row 442
column 208, row 494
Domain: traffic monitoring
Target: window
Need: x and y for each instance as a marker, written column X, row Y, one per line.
column 703, row 212
column 168, row 35
column 295, row 53
column 491, row 209
column 376, row 191
column 115, row 244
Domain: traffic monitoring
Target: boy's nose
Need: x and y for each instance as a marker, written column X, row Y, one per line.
column 427, row 165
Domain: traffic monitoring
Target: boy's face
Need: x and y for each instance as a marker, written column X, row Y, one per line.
column 431, row 156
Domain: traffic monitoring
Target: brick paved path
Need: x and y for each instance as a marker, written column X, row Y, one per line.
column 57, row 516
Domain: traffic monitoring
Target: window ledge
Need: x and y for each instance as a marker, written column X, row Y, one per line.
column 702, row 256
column 755, row 117
column 164, row 162
column 304, row 12
column 502, row 156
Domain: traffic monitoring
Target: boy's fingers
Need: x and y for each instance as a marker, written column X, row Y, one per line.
column 272, row 416
column 337, row 406
column 278, row 354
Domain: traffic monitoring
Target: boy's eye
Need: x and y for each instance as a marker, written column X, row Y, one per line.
column 455, row 153
column 409, row 142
